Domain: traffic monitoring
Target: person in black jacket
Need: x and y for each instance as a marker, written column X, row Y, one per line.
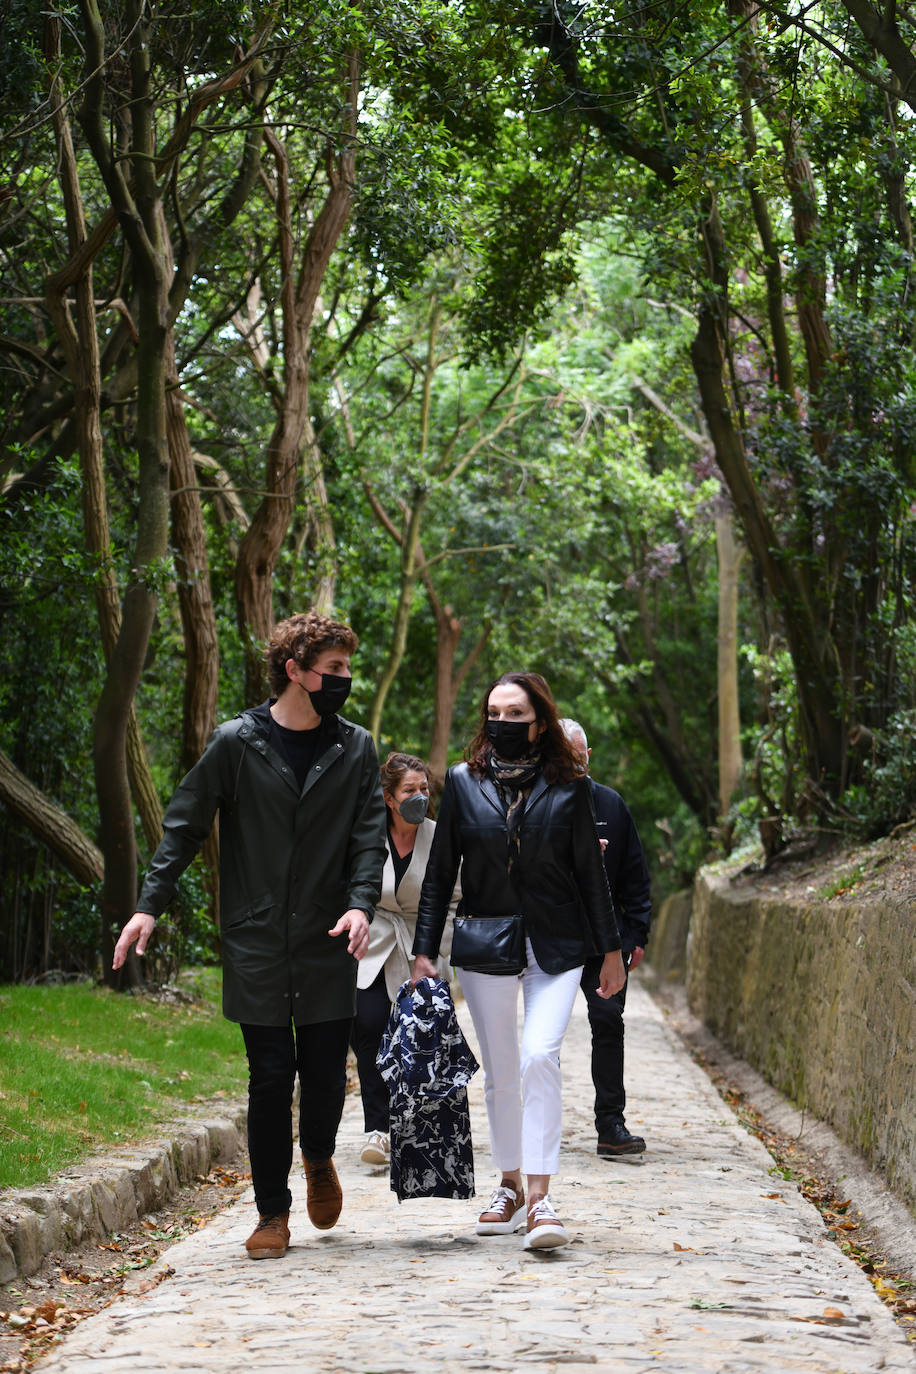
column 628, row 879
column 302, row 844
column 518, row 818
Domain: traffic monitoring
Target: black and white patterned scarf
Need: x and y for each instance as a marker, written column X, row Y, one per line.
column 514, row 779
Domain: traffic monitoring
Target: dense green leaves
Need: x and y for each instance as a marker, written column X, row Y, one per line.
column 606, row 278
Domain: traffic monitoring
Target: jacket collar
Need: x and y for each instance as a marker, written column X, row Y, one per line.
column 488, row 788
column 258, row 719
column 255, row 731
column 537, row 791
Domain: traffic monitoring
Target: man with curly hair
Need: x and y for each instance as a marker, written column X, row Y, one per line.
column 302, row 846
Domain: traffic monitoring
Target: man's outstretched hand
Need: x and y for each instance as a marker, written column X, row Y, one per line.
column 140, row 927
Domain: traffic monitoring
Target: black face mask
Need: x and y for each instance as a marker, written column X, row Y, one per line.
column 334, row 690
column 509, row 738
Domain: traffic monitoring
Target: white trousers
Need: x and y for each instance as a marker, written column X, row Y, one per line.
column 523, row 1085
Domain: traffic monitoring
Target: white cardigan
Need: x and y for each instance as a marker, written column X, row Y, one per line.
column 392, row 930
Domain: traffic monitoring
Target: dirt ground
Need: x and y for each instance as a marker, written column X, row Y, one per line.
column 815, row 865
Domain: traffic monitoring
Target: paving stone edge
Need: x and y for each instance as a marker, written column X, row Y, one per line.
column 882, row 1212
column 106, row 1193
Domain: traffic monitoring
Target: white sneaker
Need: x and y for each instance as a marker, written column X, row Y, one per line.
column 505, row 1213
column 545, row 1229
column 376, row 1148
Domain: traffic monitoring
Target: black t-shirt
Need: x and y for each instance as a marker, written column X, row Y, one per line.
column 401, row 865
column 298, row 747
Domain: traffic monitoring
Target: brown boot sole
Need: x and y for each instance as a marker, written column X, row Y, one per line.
column 275, row 1253
column 324, row 1225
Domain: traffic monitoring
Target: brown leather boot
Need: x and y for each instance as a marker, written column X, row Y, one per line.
column 325, row 1198
column 269, row 1238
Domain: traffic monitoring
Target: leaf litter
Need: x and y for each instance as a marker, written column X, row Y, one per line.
column 37, row 1312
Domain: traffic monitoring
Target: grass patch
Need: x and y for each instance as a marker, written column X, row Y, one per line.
column 844, row 884
column 82, row 1068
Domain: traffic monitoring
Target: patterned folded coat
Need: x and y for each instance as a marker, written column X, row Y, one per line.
column 427, row 1064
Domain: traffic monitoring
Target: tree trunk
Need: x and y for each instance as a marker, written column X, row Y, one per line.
column 79, row 341
column 140, row 215
column 264, row 538
column 893, row 171
column 448, row 681
column 772, row 267
column 811, row 289
column 410, row 543
column 448, row 634
column 691, row 783
column 50, row 824
column 822, row 729
column 879, row 26
column 142, row 788
column 318, row 529
column 195, row 600
column 729, row 561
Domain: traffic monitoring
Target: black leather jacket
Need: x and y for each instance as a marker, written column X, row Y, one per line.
column 558, row 880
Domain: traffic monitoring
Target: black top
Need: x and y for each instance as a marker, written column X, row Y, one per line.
column 401, row 865
column 298, row 747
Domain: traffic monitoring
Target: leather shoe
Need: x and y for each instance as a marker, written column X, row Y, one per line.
column 325, row 1197
column 616, row 1140
column 269, row 1238
column 505, row 1213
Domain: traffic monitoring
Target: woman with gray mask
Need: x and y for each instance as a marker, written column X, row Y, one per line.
column 386, row 965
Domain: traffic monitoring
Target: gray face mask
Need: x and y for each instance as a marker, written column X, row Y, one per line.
column 413, row 808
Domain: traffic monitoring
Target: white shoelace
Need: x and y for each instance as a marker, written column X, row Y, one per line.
column 500, row 1196
column 543, row 1210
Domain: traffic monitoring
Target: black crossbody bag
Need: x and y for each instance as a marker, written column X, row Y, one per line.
column 488, row 944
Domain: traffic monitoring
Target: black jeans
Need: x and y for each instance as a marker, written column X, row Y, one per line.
column 318, row 1053
column 373, row 1008
column 606, row 1020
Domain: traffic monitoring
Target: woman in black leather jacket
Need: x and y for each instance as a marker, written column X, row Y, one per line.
column 518, row 818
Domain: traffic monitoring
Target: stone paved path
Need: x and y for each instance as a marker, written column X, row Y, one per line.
column 698, row 1259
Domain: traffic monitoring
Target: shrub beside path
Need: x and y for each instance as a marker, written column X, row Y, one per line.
column 697, row 1259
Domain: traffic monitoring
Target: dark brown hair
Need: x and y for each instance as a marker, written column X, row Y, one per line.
column 395, row 767
column 302, row 638
column 559, row 763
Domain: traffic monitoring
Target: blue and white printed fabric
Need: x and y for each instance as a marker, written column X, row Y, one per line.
column 427, row 1064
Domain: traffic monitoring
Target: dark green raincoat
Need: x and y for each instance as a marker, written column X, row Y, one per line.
column 291, row 864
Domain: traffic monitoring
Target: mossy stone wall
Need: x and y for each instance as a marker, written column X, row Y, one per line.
column 821, row 1000
column 667, row 949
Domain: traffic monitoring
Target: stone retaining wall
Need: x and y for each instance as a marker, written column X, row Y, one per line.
column 667, row 950
column 106, row 1194
column 819, row 998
